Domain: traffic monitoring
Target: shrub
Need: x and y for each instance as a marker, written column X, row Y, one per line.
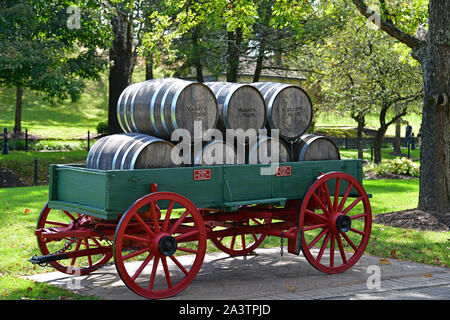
column 404, row 166
column 102, row 127
column 401, row 166
column 60, row 145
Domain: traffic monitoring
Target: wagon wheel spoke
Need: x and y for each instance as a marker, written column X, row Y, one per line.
column 178, row 222
column 350, row 242
column 153, row 274
column 154, row 216
column 341, row 248
column 55, row 223
column 69, row 215
column 136, row 238
column 187, row 249
column 336, row 194
column 188, row 235
column 179, row 265
column 166, row 272
column 167, row 217
column 321, row 204
column 89, row 258
column 327, row 197
column 135, row 253
column 142, row 266
column 323, row 246
column 350, row 207
column 317, row 238
column 77, row 248
column 143, row 224
column 332, row 249
column 344, row 198
column 243, row 240
column 315, row 215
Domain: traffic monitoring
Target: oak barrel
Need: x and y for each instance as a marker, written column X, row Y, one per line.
column 159, row 106
column 129, row 151
column 241, row 106
column 265, row 150
column 216, row 152
column 289, row 108
column 311, row 147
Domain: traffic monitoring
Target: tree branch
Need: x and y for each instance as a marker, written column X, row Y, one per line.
column 388, row 27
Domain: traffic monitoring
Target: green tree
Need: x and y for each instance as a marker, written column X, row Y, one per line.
column 424, row 27
column 40, row 52
column 362, row 72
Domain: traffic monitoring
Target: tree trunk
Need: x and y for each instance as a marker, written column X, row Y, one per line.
column 359, row 138
column 434, row 192
column 360, row 119
column 197, row 57
column 433, row 52
column 122, row 64
column 233, row 54
column 398, row 139
column 149, row 67
column 259, row 61
column 19, row 107
column 377, row 143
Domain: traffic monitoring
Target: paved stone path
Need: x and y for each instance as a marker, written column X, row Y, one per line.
column 268, row 276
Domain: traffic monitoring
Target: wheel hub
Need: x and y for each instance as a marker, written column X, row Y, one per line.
column 343, row 223
column 167, row 245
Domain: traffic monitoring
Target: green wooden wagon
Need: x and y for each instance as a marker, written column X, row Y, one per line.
column 155, row 223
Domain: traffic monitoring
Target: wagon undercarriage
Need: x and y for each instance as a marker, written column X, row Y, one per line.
column 159, row 242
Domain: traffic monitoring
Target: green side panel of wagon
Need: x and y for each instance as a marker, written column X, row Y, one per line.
column 108, row 194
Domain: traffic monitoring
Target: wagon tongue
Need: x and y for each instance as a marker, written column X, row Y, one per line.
column 43, row 260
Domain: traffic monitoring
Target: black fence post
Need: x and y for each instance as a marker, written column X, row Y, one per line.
column 35, row 180
column 5, row 149
column 346, row 142
column 26, row 140
column 89, row 141
column 371, row 153
column 409, row 149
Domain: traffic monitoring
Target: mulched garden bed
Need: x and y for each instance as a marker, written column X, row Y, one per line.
column 411, row 219
column 9, row 178
column 370, row 175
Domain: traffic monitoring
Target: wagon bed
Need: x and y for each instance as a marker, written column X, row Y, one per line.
column 107, row 194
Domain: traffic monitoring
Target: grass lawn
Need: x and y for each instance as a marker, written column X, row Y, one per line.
column 20, row 208
column 61, row 120
column 385, row 154
column 328, row 121
column 23, row 162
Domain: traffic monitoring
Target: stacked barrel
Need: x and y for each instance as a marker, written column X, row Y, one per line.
column 153, row 114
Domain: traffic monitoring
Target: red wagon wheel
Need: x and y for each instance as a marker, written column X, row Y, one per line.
column 338, row 222
column 165, row 251
column 56, row 219
column 238, row 245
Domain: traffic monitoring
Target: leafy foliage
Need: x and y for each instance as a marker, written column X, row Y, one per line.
column 401, row 166
column 39, row 52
